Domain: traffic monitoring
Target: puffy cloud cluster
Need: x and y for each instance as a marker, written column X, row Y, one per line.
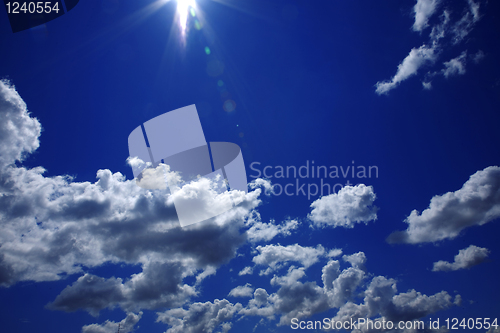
column 276, row 256
column 466, row 258
column 53, row 226
column 341, row 288
column 242, row 291
column 351, row 205
column 428, row 53
column 18, row 131
column 158, row 286
column 260, row 231
column 125, row 326
column 200, row 317
column 476, row 203
column 382, row 301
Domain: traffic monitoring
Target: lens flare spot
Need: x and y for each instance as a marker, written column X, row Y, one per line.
column 192, row 12
column 207, row 50
column 229, row 105
column 220, row 83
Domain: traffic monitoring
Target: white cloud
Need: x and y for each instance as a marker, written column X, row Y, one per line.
column 200, row 317
column 463, row 27
column 439, row 31
column 408, row 67
column 334, row 253
column 352, row 204
column 423, row 9
column 246, row 271
column 302, row 299
column 412, row 305
column 296, row 299
column 126, row 325
column 493, row 329
column 259, row 305
column 474, row 9
column 260, row 231
column 18, row 131
column 427, row 85
column 455, row 66
column 356, row 260
column 261, row 183
column 478, row 56
column 331, row 271
column 442, row 35
column 476, row 203
column 53, row 227
column 340, row 286
column 381, row 299
column 275, row 256
column 242, row 291
column 466, row 258
column 159, row 285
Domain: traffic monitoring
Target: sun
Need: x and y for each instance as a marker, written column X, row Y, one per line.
column 183, row 12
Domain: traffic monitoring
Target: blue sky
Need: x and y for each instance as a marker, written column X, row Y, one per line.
column 409, row 87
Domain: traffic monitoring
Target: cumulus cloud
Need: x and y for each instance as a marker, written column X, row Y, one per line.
column 54, row 226
column 246, row 271
column 408, row 67
column 455, row 66
column 90, row 293
column 158, row 286
column 126, row 325
column 242, row 291
column 340, row 286
column 259, row 305
column 476, row 203
column 351, row 205
column 356, row 260
column 424, row 9
column 276, row 256
column 466, row 258
column 382, row 301
column 19, row 132
column 200, row 317
column 334, row 253
column 296, row 298
column 260, row 231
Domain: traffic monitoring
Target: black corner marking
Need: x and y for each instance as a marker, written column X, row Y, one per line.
column 70, row 4
column 28, row 14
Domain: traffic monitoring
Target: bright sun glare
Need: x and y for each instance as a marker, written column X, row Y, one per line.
column 183, row 12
